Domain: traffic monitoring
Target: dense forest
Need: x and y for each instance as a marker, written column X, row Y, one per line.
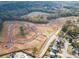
column 14, row 10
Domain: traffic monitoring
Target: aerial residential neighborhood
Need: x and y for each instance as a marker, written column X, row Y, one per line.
column 39, row 29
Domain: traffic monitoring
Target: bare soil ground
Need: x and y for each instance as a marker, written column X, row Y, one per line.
column 36, row 38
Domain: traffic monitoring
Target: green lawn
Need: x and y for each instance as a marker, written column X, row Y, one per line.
column 70, row 49
column 5, row 56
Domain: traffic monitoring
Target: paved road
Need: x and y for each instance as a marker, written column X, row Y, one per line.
column 66, row 43
column 47, row 44
column 9, row 43
column 10, row 30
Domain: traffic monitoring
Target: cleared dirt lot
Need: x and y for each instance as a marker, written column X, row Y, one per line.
column 38, row 34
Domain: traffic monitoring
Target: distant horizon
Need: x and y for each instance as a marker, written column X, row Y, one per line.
column 16, row 9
